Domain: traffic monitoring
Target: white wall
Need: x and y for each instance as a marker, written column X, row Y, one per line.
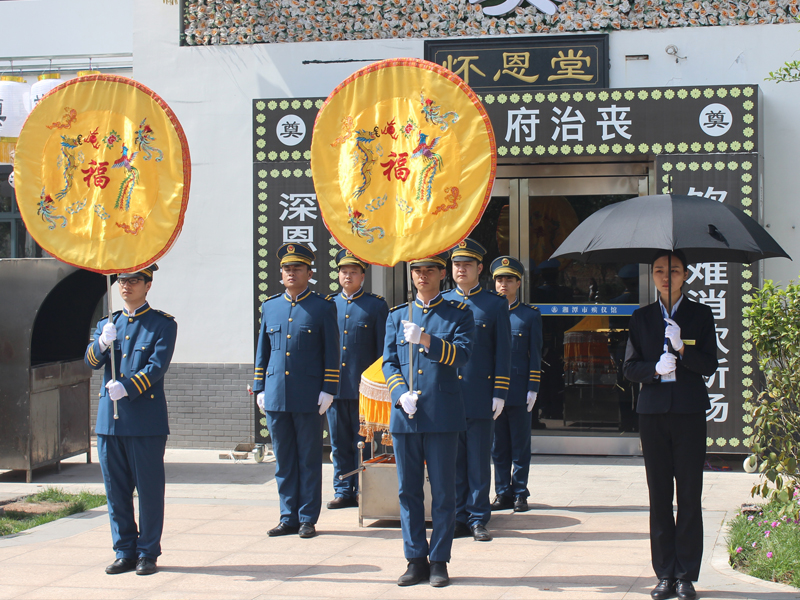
column 206, row 280
column 64, row 27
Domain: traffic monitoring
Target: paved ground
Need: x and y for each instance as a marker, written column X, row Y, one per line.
column 586, row 537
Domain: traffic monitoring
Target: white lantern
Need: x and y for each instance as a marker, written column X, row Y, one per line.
column 14, row 94
column 47, row 81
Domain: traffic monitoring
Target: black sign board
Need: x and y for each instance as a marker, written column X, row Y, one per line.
column 521, row 64
column 723, row 287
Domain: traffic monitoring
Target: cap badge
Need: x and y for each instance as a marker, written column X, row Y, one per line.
column 290, row 248
column 505, row 262
column 462, row 244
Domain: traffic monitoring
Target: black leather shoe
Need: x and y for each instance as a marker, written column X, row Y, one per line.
column 665, row 589
column 439, row 576
column 307, row 530
column 282, row 529
column 343, row 503
column 502, row 502
column 520, row 504
column 480, row 533
column 145, row 566
column 462, row 530
column 685, row 590
column 121, row 565
column 418, row 570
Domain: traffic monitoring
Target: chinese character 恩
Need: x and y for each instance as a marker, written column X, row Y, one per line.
column 298, row 206
column 96, row 174
column 570, row 66
column 302, row 234
column 714, row 299
column 465, row 68
column 397, row 163
column 568, row 125
column 614, row 116
column 524, row 120
column 515, row 64
column 711, row 273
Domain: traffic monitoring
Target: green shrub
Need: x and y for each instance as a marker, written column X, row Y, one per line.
column 774, row 322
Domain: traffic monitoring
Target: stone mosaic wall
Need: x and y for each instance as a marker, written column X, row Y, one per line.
column 212, row 22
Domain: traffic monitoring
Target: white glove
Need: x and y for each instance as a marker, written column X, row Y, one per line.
column 324, row 402
column 411, row 331
column 116, row 390
column 497, row 407
column 260, row 401
column 107, row 336
column 666, row 364
column 531, row 400
column 408, row 401
column 673, row 334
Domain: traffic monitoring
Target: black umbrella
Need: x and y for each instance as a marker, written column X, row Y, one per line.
column 634, row 230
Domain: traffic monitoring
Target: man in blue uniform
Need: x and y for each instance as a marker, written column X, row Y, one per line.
column 511, row 450
column 484, row 383
column 131, row 448
column 428, row 414
column 296, row 377
column 362, row 325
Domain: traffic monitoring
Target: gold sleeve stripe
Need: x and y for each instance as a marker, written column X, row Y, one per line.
column 133, row 379
column 445, row 352
column 451, row 357
column 147, row 380
column 444, row 346
column 393, row 386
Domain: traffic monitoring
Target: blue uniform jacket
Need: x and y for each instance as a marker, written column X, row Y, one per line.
column 142, row 351
column 362, row 326
column 440, row 407
column 526, row 352
column 487, row 374
column 298, row 352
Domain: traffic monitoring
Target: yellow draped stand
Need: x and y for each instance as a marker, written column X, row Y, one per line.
column 374, row 404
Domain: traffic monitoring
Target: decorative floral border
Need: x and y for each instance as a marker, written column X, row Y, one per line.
column 224, row 22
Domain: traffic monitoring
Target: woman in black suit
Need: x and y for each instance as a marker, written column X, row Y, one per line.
column 668, row 353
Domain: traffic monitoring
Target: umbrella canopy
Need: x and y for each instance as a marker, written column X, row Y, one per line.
column 704, row 229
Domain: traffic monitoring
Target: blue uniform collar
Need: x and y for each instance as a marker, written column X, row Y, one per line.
column 437, row 300
column 358, row 294
column 472, row 292
column 138, row 312
column 300, row 297
column 514, row 305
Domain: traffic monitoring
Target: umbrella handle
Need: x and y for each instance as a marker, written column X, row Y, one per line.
column 113, row 358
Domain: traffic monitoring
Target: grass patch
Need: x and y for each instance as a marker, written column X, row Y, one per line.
column 15, row 521
column 766, row 545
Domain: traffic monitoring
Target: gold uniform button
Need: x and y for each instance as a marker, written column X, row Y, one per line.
column 121, row 375
column 130, row 320
column 421, row 350
column 347, row 316
column 420, row 371
column 293, row 304
column 152, row 395
column 349, row 301
column 287, row 372
column 425, row 310
column 422, row 329
column 489, row 377
column 290, row 319
column 127, row 337
column 142, row 347
column 344, row 347
column 460, row 377
column 287, row 354
column 345, row 331
column 484, row 324
column 289, row 336
column 344, row 364
column 124, row 356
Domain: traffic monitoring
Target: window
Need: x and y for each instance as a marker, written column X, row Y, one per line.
column 14, row 239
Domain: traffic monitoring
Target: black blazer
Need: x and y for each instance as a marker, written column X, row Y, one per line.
column 688, row 394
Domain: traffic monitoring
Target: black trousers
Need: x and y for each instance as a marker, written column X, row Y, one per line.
column 674, row 449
